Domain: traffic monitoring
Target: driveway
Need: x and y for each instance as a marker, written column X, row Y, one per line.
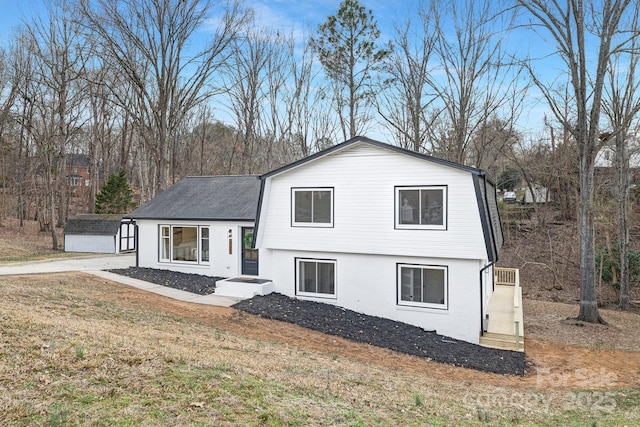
column 96, row 266
column 69, row 264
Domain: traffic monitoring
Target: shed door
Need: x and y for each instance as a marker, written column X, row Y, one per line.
column 127, row 236
column 249, row 256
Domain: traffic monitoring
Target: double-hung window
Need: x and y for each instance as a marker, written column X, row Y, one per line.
column 422, row 286
column 312, row 207
column 423, row 207
column 184, row 244
column 316, row 278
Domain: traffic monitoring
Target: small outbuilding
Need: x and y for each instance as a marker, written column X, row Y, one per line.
column 539, row 195
column 98, row 233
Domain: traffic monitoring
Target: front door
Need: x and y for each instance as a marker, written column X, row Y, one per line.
column 249, row 256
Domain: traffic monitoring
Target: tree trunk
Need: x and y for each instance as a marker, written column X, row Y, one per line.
column 52, row 209
column 588, row 301
column 623, row 217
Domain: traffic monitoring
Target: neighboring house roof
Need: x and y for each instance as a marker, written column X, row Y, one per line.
column 93, row 224
column 485, row 187
column 77, row 160
column 213, row 198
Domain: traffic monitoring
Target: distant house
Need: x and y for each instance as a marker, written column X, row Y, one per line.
column 201, row 225
column 539, row 195
column 362, row 225
column 605, row 166
column 78, row 172
column 98, row 233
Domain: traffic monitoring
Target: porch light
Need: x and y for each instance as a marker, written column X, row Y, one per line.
column 230, row 233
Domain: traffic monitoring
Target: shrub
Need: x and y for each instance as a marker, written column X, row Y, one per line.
column 608, row 263
column 116, row 196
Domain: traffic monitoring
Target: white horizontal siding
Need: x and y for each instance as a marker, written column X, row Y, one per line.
column 364, row 178
column 221, row 264
column 92, row 244
column 368, row 284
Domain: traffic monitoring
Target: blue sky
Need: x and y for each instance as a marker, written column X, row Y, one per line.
column 287, row 15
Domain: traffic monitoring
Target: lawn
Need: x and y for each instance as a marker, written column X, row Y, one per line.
column 79, row 350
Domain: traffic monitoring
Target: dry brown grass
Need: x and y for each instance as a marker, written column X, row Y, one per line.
column 78, row 350
column 27, row 242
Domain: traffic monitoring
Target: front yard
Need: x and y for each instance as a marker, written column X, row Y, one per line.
column 78, row 350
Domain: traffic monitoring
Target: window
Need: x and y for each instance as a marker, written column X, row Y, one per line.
column 312, row 207
column 421, row 207
column 165, row 243
column 75, row 180
column 422, row 286
column 184, row 244
column 316, row 277
column 204, row 244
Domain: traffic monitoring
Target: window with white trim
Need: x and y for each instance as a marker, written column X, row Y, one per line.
column 180, row 243
column 316, row 277
column 312, row 207
column 422, row 286
column 423, row 207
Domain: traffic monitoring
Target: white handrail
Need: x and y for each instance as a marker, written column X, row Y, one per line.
column 511, row 277
column 517, row 304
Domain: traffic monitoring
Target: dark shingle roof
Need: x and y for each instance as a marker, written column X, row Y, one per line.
column 93, row 224
column 215, row 198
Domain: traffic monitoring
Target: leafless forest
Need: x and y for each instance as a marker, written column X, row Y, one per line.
column 163, row 89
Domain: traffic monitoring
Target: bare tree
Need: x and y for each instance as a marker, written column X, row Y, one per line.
column 56, row 45
column 568, row 24
column 23, row 68
column 298, row 103
column 8, row 94
column 245, row 77
column 476, row 79
column 621, row 105
column 404, row 100
column 148, row 41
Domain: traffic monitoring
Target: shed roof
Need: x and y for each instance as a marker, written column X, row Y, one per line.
column 93, row 224
column 213, row 198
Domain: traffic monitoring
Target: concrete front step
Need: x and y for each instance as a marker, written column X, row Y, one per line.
column 500, row 341
column 243, row 287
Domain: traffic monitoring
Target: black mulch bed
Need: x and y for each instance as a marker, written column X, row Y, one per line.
column 385, row 333
column 194, row 283
column 329, row 319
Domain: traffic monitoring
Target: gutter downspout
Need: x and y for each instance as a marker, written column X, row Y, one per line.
column 482, row 297
column 136, row 241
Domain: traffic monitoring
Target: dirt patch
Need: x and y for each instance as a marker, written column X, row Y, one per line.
column 384, row 333
column 552, row 321
column 562, row 353
column 348, row 324
column 27, row 241
column 554, row 365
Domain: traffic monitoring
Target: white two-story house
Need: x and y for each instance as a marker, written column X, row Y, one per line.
column 363, row 225
column 383, row 231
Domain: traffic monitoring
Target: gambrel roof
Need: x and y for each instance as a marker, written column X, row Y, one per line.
column 484, row 187
column 211, row 198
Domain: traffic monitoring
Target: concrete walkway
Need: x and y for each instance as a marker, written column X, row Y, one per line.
column 97, row 265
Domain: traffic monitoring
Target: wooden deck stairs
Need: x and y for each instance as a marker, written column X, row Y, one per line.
column 505, row 326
